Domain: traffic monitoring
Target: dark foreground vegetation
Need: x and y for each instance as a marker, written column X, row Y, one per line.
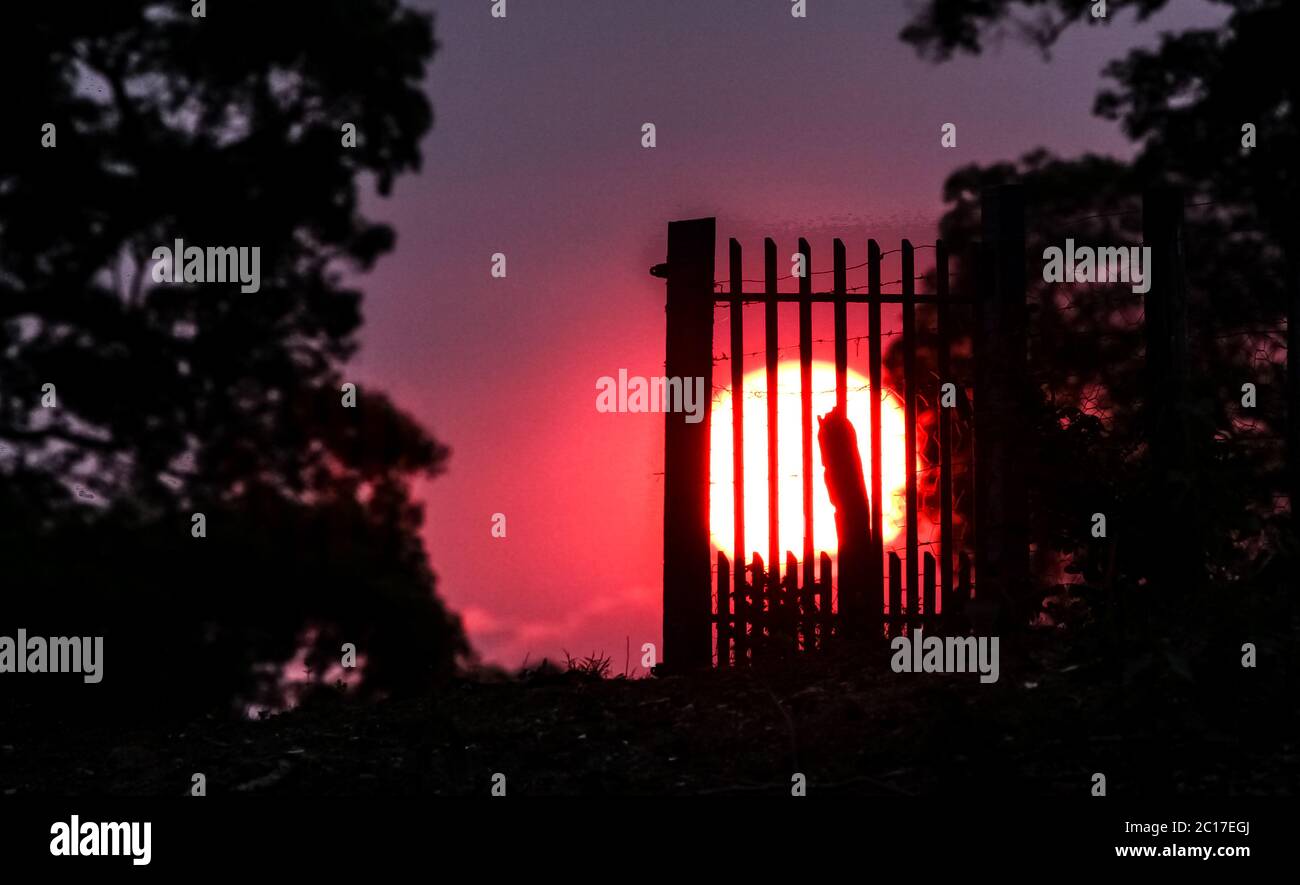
column 1178, row 719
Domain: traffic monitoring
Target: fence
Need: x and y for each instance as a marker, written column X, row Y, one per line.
column 760, row 610
column 761, row 607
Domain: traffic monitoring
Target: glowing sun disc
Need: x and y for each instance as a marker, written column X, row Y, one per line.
column 790, row 460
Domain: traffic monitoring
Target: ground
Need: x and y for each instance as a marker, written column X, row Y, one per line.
column 846, row 721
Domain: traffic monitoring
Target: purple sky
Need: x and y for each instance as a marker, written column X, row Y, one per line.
column 824, row 126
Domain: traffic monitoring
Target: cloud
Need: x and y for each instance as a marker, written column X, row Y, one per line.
column 509, row 644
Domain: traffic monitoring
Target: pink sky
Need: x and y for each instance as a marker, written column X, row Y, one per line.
column 781, row 127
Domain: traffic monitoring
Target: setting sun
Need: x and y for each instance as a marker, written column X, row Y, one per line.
column 790, row 488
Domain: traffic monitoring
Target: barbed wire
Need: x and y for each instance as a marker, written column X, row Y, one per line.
column 790, row 276
column 725, row 357
column 1123, row 314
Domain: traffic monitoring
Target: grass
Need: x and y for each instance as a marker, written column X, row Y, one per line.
column 843, row 719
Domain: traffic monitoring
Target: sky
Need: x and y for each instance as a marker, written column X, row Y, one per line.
column 783, row 127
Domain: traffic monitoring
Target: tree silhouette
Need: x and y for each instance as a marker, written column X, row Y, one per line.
column 1185, row 103
column 225, row 130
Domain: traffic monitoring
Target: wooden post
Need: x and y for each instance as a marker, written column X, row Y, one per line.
column 857, row 576
column 724, row 609
column 909, row 429
column 842, row 458
column 1166, row 386
column 689, row 351
column 825, row 616
column 790, row 603
column 945, row 424
column 738, row 552
column 773, row 476
column 1290, row 237
column 875, row 379
column 896, row 618
column 1001, row 500
column 841, row 327
column 927, row 580
column 805, row 407
column 963, row 584
column 1291, row 252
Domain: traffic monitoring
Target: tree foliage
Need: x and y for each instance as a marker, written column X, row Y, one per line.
column 1184, row 102
column 224, row 130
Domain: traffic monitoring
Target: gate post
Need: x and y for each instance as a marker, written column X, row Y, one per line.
column 688, row 640
column 1001, row 493
column 1166, row 406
